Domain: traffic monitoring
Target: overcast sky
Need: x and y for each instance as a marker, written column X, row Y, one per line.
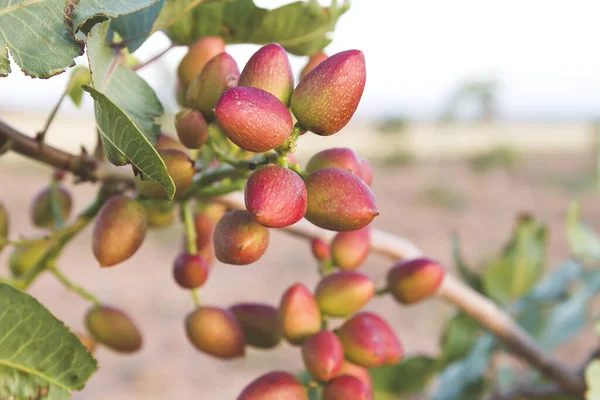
column 544, row 55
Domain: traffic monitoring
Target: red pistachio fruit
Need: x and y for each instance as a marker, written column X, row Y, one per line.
column 320, row 249
column 363, row 343
column 191, row 128
column 197, row 56
column 276, row 385
column 114, row 329
column 323, row 355
column 415, row 280
column 337, row 157
column 313, row 61
column 215, row 331
column 338, row 200
column 260, row 324
column 119, row 230
column 269, row 69
column 343, row 293
column 349, row 250
column 275, row 197
column 299, row 315
column 253, row 118
column 190, row 271
column 394, row 352
column 327, row 97
column 218, row 75
column 238, row 240
column 346, row 387
column 366, row 171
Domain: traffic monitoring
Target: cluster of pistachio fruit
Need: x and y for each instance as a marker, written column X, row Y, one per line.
column 251, row 121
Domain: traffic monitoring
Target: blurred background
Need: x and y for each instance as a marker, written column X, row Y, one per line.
column 473, row 112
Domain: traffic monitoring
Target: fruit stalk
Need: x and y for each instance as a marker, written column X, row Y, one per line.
column 190, row 236
column 69, row 285
column 55, row 205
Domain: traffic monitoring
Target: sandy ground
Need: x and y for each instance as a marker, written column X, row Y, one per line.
column 168, row 366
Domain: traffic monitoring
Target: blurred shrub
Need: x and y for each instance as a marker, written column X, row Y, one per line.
column 506, row 157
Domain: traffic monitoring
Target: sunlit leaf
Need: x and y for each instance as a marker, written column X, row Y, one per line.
column 584, row 243
column 517, row 269
column 302, row 28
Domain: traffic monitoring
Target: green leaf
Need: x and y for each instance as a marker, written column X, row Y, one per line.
column 41, row 34
column 125, row 107
column 568, row 318
column 458, row 338
column 583, row 242
column 473, row 279
column 556, row 284
column 79, row 76
column 409, row 376
column 592, row 378
column 463, row 379
column 37, row 344
column 134, row 28
column 514, row 273
column 302, row 28
column 21, row 386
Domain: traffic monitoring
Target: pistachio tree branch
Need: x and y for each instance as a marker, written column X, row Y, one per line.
column 462, row 296
column 83, row 166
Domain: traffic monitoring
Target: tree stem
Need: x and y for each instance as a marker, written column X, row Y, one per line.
column 41, row 135
column 69, row 285
column 153, row 58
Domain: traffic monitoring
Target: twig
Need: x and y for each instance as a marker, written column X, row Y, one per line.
column 69, row 285
column 41, row 135
column 153, row 58
column 539, row 392
column 457, row 293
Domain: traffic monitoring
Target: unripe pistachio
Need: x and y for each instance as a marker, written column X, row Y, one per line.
column 394, row 351
column 119, row 230
column 343, row 293
column 190, row 271
column 327, row 97
column 346, row 387
column 114, row 329
column 253, row 118
column 215, row 331
column 161, row 214
column 204, row 226
column 181, row 169
column 218, row 75
column 323, row 355
column 269, row 69
column 363, row 343
column 197, row 56
column 415, row 280
column 191, row 128
column 357, row 371
column 320, row 249
column 41, row 207
column 26, row 256
column 313, row 61
column 337, row 157
column 349, row 250
column 366, row 171
column 299, row 315
column 275, row 196
column 238, row 239
column 276, row 385
column 4, row 225
column 338, row 200
column 259, row 323
column 166, row 142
